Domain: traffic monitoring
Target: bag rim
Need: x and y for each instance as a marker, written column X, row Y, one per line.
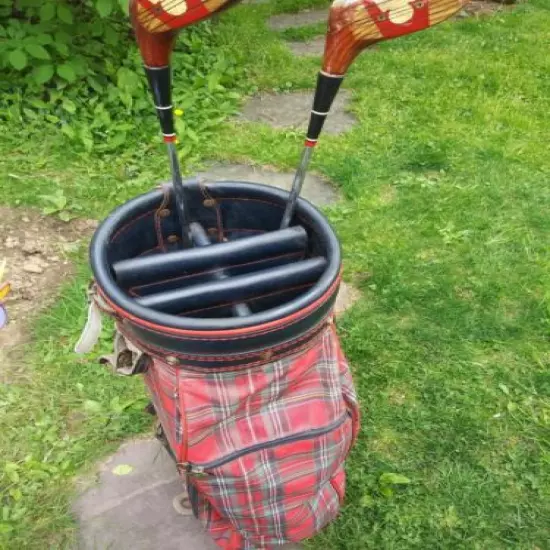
column 127, row 308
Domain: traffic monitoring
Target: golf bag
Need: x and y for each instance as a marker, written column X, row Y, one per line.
column 258, row 410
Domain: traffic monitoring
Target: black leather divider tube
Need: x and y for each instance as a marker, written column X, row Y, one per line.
column 200, row 239
column 325, row 92
column 235, row 289
column 148, row 269
column 160, row 82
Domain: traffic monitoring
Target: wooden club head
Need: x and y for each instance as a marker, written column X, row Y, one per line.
column 356, row 24
column 158, row 16
column 156, row 23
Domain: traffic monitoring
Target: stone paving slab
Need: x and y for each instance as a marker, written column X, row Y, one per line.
column 300, row 19
column 316, row 48
column 347, row 296
column 317, row 190
column 291, row 110
column 135, row 511
column 311, row 48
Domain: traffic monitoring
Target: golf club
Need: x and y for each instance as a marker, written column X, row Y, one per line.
column 354, row 25
column 156, row 24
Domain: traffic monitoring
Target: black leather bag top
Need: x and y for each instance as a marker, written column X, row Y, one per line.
column 205, row 333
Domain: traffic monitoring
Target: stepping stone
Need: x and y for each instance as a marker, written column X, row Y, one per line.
column 347, row 296
column 317, row 190
column 314, row 47
column 292, row 110
column 134, row 511
column 301, row 19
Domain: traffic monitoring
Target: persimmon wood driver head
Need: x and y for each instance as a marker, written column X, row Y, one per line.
column 354, row 25
column 156, row 24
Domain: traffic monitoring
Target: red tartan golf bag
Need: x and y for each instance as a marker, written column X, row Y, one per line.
column 236, row 343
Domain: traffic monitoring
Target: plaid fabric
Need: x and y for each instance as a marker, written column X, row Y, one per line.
column 264, row 446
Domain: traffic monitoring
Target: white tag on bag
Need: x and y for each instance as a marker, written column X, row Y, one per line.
column 92, row 330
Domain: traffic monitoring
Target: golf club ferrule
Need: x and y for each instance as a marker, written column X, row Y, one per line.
column 310, row 143
column 160, row 82
column 325, row 92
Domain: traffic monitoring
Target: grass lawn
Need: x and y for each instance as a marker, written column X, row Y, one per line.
column 445, row 228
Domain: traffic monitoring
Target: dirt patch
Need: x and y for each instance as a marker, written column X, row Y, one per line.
column 291, row 110
column 36, row 249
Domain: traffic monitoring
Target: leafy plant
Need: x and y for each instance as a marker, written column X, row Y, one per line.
column 39, row 38
column 389, row 480
column 74, row 65
column 57, row 205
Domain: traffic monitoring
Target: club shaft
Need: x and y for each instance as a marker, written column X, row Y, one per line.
column 179, row 193
column 297, row 185
column 325, row 92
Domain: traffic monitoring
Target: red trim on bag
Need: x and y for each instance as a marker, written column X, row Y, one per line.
column 214, row 334
column 180, row 404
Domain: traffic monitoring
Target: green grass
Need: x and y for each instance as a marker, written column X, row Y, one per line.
column 444, row 227
column 302, row 34
column 56, row 420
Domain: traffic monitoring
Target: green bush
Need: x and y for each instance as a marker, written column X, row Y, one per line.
column 73, row 65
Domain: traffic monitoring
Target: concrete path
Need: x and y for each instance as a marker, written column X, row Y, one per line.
column 317, row 190
column 130, row 508
column 291, row 110
column 313, row 46
column 310, row 48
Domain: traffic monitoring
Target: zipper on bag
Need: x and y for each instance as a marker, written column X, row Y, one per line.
column 201, row 470
column 180, row 424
